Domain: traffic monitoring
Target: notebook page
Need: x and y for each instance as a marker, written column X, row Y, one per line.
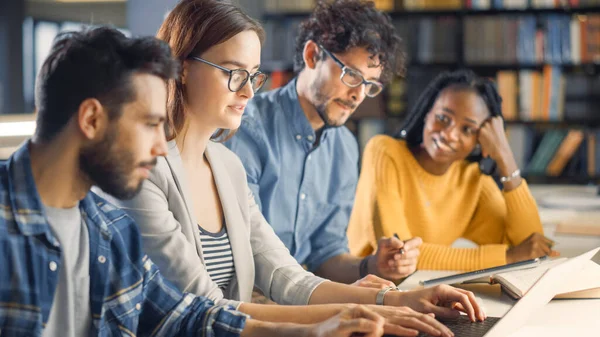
column 522, row 280
column 589, row 278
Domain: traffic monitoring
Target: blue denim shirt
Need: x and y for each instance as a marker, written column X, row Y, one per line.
column 305, row 192
column 128, row 295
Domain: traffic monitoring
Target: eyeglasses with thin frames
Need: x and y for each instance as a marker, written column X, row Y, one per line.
column 353, row 78
column 238, row 77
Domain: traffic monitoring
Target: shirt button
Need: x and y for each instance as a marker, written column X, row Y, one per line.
column 309, row 156
column 302, row 196
column 101, row 259
column 52, row 265
column 310, row 137
column 298, row 137
column 138, row 306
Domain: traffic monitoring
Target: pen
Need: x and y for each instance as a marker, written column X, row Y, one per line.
column 401, row 249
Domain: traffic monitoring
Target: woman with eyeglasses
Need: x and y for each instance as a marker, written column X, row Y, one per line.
column 198, row 219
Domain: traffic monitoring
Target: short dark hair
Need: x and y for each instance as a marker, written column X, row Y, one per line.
column 344, row 24
column 94, row 63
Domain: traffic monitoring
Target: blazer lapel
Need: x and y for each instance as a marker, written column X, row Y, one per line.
column 176, row 165
column 234, row 222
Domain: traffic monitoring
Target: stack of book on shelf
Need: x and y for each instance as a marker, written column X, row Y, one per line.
column 280, row 45
column 529, row 95
column 429, row 40
column 550, row 95
column 305, row 6
column 416, row 5
column 301, row 6
column 523, row 4
column 547, row 152
column 557, row 152
column 527, row 40
column 593, row 153
column 396, row 105
column 385, row 5
column 496, row 4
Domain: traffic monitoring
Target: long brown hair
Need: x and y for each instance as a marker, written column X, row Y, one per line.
column 191, row 28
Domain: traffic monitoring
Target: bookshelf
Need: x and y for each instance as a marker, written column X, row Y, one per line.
column 400, row 14
column 554, row 124
column 543, row 54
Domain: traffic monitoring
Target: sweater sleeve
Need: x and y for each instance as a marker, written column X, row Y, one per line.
column 507, row 217
column 522, row 214
column 378, row 209
column 486, row 228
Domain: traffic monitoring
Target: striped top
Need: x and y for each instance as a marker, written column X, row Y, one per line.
column 218, row 257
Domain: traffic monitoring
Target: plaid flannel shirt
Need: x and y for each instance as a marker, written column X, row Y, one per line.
column 128, row 295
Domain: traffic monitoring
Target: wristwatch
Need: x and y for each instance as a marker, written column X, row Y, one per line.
column 382, row 292
column 514, row 175
column 363, row 268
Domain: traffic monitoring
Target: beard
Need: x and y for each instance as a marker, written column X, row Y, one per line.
column 321, row 107
column 111, row 168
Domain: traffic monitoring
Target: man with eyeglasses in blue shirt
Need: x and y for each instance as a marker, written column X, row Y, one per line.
column 302, row 163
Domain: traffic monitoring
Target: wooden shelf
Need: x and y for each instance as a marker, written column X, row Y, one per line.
column 279, row 65
column 541, row 124
column 557, row 124
column 594, row 67
column 564, row 10
column 568, row 180
column 455, row 12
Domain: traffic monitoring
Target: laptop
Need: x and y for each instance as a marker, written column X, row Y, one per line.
column 539, row 295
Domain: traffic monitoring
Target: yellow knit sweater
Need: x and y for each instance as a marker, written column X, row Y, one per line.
column 396, row 195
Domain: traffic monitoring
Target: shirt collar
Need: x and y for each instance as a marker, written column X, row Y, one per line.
column 26, row 205
column 300, row 126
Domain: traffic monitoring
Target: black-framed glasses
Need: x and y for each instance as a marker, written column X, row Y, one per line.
column 353, row 78
column 238, row 77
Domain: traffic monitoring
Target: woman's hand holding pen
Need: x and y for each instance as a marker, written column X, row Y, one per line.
column 395, row 259
column 535, row 245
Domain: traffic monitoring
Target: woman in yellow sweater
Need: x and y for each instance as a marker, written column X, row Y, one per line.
column 422, row 185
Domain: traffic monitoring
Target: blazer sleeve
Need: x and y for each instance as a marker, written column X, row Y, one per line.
column 166, row 244
column 278, row 274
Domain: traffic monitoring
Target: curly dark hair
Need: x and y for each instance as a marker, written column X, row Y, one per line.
column 412, row 129
column 344, row 24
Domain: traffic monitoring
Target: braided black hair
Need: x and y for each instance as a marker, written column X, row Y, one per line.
column 412, row 130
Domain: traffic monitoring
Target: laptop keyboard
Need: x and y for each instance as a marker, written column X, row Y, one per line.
column 463, row 327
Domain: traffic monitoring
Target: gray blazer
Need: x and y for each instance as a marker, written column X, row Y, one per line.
column 171, row 237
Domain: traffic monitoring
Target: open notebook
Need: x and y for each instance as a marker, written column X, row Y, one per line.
column 517, row 283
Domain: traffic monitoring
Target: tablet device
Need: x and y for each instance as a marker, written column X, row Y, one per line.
column 459, row 278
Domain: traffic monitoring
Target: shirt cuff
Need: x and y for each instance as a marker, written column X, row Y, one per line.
column 224, row 321
column 318, row 258
column 305, row 289
column 232, row 303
